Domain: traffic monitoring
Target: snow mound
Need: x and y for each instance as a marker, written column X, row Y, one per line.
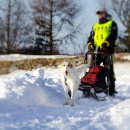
column 35, row 88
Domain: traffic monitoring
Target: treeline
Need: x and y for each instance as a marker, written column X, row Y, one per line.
column 46, row 27
column 37, row 27
column 120, row 9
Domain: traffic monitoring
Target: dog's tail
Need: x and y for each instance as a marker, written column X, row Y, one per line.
column 81, row 70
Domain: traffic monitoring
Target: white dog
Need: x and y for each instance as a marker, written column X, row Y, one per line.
column 70, row 81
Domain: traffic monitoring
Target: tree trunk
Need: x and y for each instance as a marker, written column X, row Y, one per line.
column 56, row 15
column 8, row 26
column 51, row 28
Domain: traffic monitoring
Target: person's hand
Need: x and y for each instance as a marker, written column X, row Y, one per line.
column 90, row 47
column 104, row 46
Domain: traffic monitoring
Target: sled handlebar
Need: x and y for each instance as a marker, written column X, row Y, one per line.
column 96, row 53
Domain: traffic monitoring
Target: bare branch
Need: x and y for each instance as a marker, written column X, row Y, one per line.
column 56, row 16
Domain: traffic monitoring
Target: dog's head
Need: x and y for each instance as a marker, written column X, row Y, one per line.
column 66, row 67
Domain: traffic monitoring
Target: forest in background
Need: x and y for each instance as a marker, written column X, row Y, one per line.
column 46, row 27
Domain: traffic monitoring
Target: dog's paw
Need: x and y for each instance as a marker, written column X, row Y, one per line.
column 66, row 103
column 72, row 104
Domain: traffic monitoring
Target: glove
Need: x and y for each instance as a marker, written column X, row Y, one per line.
column 105, row 45
column 90, row 47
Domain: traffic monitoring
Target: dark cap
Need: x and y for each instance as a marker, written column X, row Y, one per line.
column 102, row 10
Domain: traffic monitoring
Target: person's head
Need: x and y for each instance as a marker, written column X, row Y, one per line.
column 102, row 14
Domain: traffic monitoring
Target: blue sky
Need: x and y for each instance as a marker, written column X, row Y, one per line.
column 88, row 16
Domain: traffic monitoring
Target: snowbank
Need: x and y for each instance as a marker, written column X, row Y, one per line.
column 122, row 57
column 10, row 63
column 32, row 88
column 126, row 57
column 14, row 57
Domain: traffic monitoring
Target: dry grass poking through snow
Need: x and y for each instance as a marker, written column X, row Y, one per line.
column 29, row 64
column 118, row 57
column 5, row 66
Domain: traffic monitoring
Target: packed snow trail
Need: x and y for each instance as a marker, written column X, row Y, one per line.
column 33, row 100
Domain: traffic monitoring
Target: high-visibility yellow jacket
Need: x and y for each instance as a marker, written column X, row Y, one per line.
column 101, row 32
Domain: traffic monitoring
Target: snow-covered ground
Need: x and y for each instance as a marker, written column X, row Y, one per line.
column 33, row 100
column 126, row 57
column 14, row 57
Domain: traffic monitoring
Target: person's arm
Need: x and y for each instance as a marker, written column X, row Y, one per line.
column 113, row 34
column 91, row 37
column 90, row 41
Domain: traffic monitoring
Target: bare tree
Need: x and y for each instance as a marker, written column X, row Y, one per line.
column 55, row 22
column 13, row 24
column 122, row 9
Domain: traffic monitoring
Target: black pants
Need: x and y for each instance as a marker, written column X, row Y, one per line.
column 107, row 60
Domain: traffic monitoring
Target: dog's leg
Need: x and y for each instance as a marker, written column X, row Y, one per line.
column 72, row 102
column 73, row 93
column 65, row 87
column 67, row 97
column 74, row 97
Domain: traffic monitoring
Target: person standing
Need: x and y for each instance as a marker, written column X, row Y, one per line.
column 103, row 36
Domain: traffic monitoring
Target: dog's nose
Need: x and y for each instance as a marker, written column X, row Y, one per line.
column 66, row 72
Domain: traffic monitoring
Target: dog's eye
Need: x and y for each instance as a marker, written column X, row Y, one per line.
column 68, row 65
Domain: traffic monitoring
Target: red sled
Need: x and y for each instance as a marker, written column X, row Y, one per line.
column 94, row 78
